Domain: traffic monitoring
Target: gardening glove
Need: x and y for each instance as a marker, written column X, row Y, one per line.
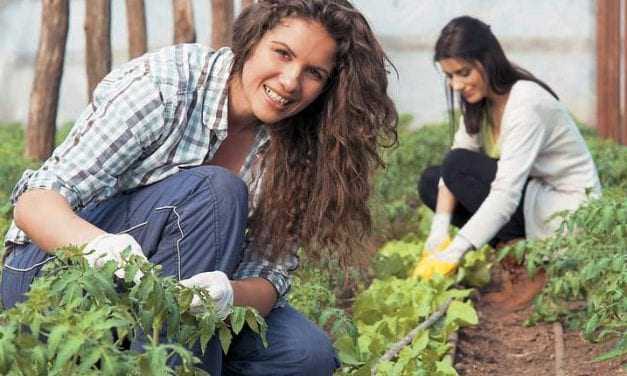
column 109, row 247
column 219, row 288
column 444, row 262
column 439, row 231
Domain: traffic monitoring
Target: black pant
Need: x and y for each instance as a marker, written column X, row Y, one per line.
column 468, row 175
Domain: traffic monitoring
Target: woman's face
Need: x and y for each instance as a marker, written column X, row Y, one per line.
column 286, row 71
column 466, row 78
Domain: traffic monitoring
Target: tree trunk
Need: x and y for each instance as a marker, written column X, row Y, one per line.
column 44, row 97
column 98, row 42
column 246, row 3
column 183, row 22
column 221, row 23
column 136, row 21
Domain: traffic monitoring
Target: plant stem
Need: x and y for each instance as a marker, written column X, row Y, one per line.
column 398, row 346
column 156, row 330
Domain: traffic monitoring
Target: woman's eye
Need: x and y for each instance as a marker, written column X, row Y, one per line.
column 465, row 72
column 316, row 74
column 282, row 53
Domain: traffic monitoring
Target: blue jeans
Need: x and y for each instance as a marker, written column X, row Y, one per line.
column 190, row 223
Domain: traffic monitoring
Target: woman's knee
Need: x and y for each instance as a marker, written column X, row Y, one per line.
column 315, row 352
column 453, row 165
column 296, row 347
column 428, row 186
column 225, row 184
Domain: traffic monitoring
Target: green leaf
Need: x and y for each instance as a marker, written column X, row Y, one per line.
column 207, row 329
column 89, row 360
column 67, row 350
column 348, row 352
column 237, row 317
column 445, row 367
column 225, row 338
column 257, row 324
column 421, row 341
column 57, row 334
column 462, row 313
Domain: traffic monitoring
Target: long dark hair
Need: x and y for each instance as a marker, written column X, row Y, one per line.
column 317, row 169
column 472, row 40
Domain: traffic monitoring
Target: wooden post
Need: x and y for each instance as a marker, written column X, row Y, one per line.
column 614, row 72
column 98, row 42
column 623, row 123
column 221, row 23
column 184, row 31
column 136, row 23
column 44, row 97
column 608, row 67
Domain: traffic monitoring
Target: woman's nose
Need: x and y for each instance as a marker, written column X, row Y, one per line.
column 290, row 79
column 456, row 84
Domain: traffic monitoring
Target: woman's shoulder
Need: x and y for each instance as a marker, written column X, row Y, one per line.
column 177, row 69
column 190, row 53
column 529, row 97
column 530, row 91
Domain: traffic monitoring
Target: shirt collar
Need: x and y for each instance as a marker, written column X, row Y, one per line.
column 215, row 101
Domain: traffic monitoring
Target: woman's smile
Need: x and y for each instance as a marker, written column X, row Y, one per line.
column 275, row 97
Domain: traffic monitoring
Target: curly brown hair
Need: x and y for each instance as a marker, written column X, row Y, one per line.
column 318, row 166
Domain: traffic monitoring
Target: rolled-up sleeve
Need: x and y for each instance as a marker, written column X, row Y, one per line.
column 276, row 272
column 124, row 117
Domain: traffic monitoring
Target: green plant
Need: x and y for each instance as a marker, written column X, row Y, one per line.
column 391, row 307
column 587, row 265
column 313, row 294
column 79, row 320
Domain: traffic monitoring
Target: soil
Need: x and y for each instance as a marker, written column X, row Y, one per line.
column 502, row 345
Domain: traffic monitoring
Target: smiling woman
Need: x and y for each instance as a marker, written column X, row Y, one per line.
column 164, row 159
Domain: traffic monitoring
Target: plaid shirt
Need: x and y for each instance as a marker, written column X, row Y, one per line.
column 148, row 118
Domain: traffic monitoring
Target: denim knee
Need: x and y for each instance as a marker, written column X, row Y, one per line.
column 309, row 347
column 317, row 354
column 226, row 184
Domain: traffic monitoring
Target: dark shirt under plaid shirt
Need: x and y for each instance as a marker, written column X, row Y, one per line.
column 150, row 117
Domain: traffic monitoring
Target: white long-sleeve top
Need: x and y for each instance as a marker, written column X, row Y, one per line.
column 539, row 140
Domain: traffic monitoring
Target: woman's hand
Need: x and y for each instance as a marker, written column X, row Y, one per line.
column 109, row 247
column 444, row 262
column 219, row 288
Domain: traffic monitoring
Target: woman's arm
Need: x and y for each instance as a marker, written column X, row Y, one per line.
column 255, row 292
column 49, row 221
column 446, row 201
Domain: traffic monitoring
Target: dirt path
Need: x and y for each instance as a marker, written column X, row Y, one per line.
column 502, row 345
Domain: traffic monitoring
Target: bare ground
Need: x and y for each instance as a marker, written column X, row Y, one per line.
column 502, row 345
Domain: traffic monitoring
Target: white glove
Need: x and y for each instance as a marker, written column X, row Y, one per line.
column 439, row 231
column 455, row 251
column 109, row 247
column 219, row 288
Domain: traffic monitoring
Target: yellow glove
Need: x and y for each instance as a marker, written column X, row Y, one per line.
column 429, row 265
column 444, row 259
